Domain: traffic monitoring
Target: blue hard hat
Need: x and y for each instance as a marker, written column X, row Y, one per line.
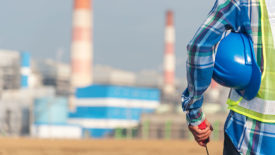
column 236, row 66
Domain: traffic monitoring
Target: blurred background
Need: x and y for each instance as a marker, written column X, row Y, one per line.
column 100, row 70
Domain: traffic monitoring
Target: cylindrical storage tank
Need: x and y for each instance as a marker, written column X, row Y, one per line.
column 52, row 111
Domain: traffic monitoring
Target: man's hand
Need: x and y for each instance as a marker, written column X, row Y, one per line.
column 201, row 136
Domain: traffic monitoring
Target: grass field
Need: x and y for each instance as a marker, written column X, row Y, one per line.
column 21, row 146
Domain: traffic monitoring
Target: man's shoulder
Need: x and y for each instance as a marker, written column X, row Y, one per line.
column 235, row 2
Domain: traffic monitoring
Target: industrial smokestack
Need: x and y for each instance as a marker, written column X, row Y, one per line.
column 169, row 56
column 82, row 48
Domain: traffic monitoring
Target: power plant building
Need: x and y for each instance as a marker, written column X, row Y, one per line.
column 107, row 75
column 100, row 109
column 55, row 74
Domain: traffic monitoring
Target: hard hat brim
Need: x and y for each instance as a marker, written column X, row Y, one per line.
column 253, row 87
column 251, row 90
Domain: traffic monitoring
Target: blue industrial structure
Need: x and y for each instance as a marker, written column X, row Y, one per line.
column 25, row 69
column 102, row 108
column 50, row 111
column 51, row 119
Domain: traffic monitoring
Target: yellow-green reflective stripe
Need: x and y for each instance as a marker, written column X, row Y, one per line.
column 253, row 114
column 267, row 89
column 233, row 103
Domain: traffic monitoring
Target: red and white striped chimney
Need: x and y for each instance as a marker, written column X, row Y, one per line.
column 82, row 47
column 169, row 55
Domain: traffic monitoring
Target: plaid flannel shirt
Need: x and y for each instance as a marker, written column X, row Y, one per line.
column 249, row 136
column 225, row 16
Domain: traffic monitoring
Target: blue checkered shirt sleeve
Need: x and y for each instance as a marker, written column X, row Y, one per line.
column 200, row 50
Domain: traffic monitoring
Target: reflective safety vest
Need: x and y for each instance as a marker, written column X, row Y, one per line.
column 262, row 107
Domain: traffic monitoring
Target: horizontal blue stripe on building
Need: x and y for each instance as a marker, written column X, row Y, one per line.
column 108, row 91
column 109, row 113
column 97, row 133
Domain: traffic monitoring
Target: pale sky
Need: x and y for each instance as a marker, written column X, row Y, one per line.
column 128, row 34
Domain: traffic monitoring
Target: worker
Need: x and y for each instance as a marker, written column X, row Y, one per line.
column 250, row 125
